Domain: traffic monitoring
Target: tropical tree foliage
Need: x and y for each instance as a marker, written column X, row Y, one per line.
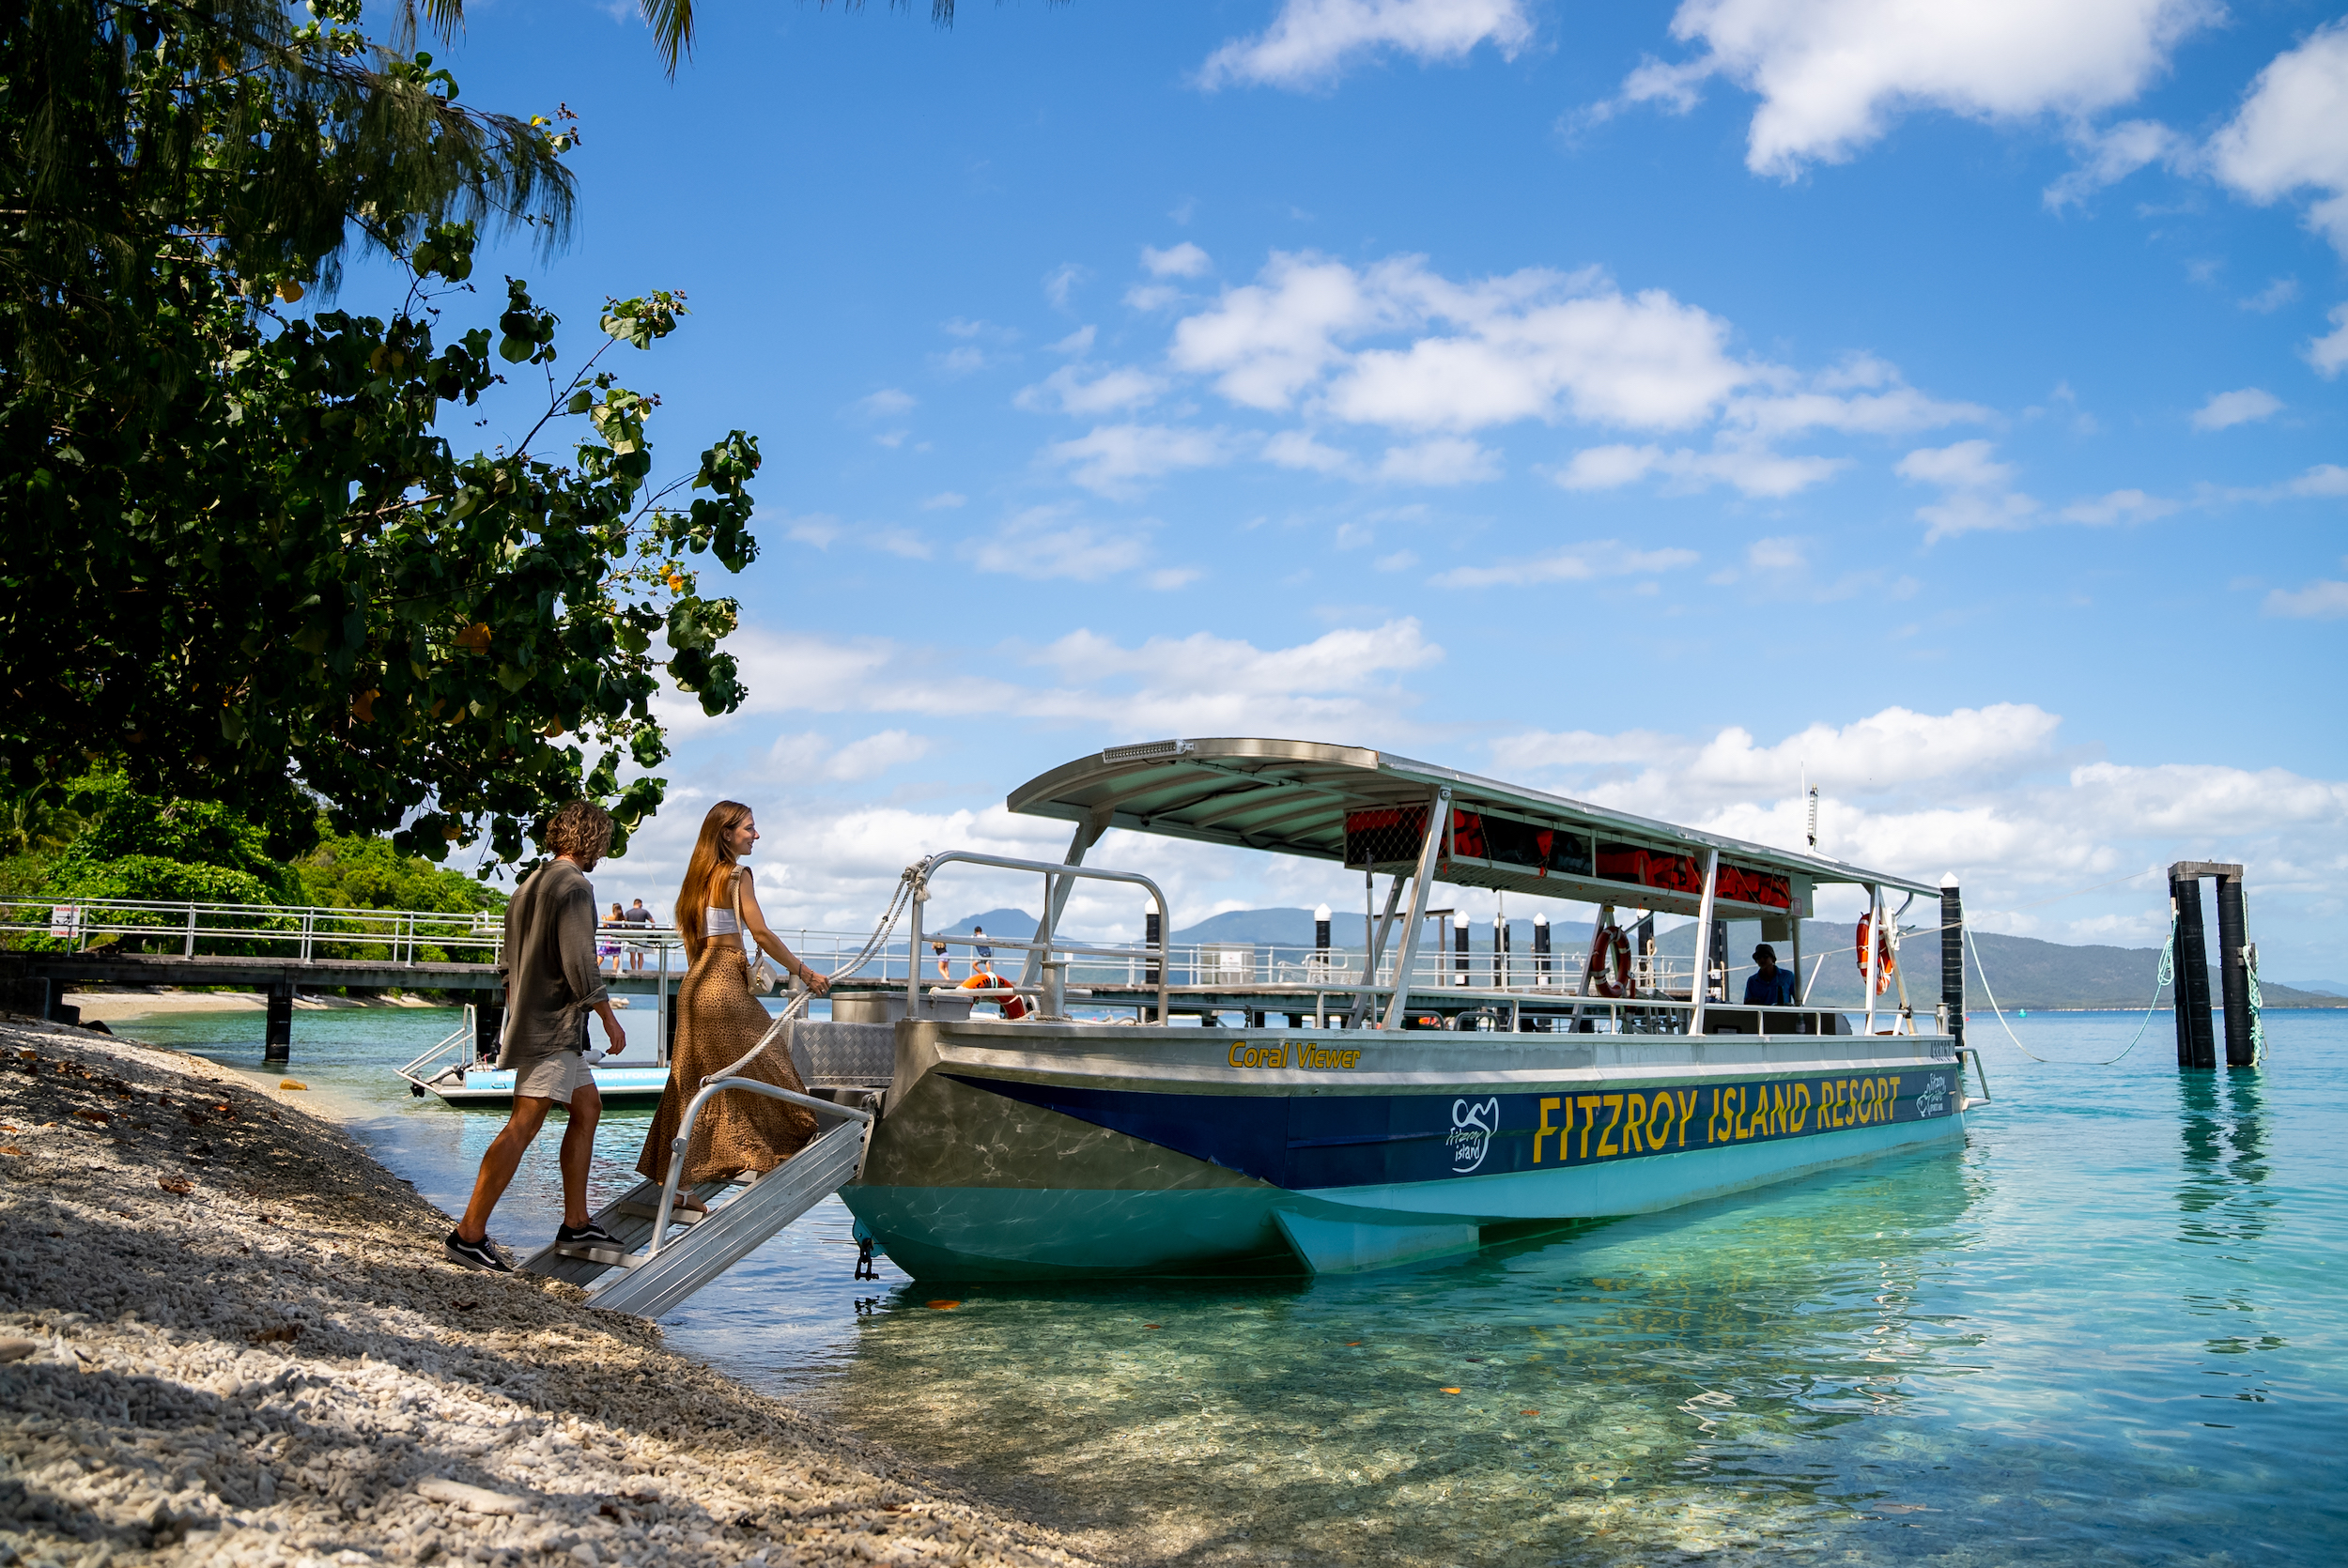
column 244, row 567
column 348, row 871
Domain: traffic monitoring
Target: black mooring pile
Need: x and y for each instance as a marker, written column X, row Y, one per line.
column 2197, row 1043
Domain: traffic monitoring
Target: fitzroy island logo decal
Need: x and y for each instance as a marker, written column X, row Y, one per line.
column 1934, row 1101
column 1473, row 1124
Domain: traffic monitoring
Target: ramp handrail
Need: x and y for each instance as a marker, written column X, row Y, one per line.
column 464, row 1032
column 711, row 1090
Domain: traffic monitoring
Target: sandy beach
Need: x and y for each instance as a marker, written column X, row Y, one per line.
column 228, row 1336
column 117, row 1003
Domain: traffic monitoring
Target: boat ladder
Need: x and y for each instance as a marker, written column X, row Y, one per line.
column 666, row 1264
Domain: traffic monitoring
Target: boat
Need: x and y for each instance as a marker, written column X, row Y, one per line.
column 462, row 1071
column 1375, row 1110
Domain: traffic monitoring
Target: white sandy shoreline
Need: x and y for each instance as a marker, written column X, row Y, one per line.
column 226, row 1336
column 118, row 1002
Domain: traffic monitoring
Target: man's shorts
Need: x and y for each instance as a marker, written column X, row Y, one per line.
column 554, row 1077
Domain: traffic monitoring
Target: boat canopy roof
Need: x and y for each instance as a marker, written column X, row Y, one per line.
column 1367, row 807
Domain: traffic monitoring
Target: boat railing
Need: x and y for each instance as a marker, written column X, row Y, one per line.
column 1048, row 955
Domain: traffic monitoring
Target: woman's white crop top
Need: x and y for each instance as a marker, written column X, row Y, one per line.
column 719, row 922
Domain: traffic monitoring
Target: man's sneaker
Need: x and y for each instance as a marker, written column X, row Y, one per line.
column 483, row 1254
column 590, row 1241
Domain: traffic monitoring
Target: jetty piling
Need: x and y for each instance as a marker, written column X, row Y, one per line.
column 2234, row 969
column 2197, row 1043
column 1952, row 957
column 277, row 1037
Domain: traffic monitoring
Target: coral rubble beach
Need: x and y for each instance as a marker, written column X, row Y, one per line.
column 228, row 1336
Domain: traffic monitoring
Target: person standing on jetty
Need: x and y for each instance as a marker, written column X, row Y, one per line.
column 719, row 1020
column 552, row 980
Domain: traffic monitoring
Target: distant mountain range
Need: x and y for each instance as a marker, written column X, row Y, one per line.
column 2023, row 972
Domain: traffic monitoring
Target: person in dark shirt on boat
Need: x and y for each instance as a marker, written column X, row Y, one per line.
column 1769, row 987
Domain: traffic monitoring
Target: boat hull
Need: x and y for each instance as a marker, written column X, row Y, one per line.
column 1018, row 1151
column 493, row 1089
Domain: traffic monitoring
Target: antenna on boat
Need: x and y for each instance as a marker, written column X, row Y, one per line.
column 1810, row 795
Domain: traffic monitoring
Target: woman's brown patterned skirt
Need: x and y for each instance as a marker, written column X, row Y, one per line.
column 717, row 1022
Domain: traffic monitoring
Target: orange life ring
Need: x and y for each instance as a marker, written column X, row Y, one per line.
column 1609, row 972
column 1885, row 962
column 1014, row 1005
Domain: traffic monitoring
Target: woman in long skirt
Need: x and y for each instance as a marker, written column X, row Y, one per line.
column 719, row 1020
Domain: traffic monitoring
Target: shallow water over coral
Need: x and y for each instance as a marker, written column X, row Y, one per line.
column 2107, row 1328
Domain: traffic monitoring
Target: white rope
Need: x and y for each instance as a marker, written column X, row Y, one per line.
column 2165, row 974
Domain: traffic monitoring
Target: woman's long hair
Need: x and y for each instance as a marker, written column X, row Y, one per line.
column 713, row 858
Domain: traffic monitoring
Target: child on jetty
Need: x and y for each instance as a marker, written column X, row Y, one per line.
column 552, row 977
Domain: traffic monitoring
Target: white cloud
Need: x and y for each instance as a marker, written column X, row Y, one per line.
column 1047, row 542
column 1401, row 560
column 1535, row 343
column 1444, row 460
column 1752, row 469
column 1060, row 282
column 1152, row 297
column 1832, row 74
column 1605, row 558
column 2321, row 600
column 1294, row 449
column 1645, row 362
column 1112, row 460
column 1268, row 341
column 1895, row 409
column 2120, row 506
column 1167, row 578
column 1978, row 494
column 887, row 402
column 2287, row 135
column 1202, row 684
column 1077, row 344
column 1395, row 345
column 1066, row 389
column 2329, row 354
column 901, row 542
column 962, row 361
column 1968, row 465
column 2243, row 406
column 2274, row 297
column 875, row 755
column 822, row 530
column 1342, row 682
column 1990, row 794
column 1312, row 42
column 818, row 528
column 2109, row 156
column 944, row 500
column 1184, row 260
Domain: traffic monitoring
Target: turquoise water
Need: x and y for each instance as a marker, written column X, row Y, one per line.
column 2109, row 1329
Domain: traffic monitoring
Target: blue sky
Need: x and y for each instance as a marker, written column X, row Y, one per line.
column 1652, row 403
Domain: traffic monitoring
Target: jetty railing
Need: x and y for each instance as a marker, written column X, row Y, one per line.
column 304, row 933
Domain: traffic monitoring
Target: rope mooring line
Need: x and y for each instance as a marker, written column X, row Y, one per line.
column 2165, row 977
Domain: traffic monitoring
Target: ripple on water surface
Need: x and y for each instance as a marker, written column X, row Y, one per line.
column 2108, row 1331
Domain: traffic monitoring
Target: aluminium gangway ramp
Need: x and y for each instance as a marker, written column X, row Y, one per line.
column 661, row 1272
